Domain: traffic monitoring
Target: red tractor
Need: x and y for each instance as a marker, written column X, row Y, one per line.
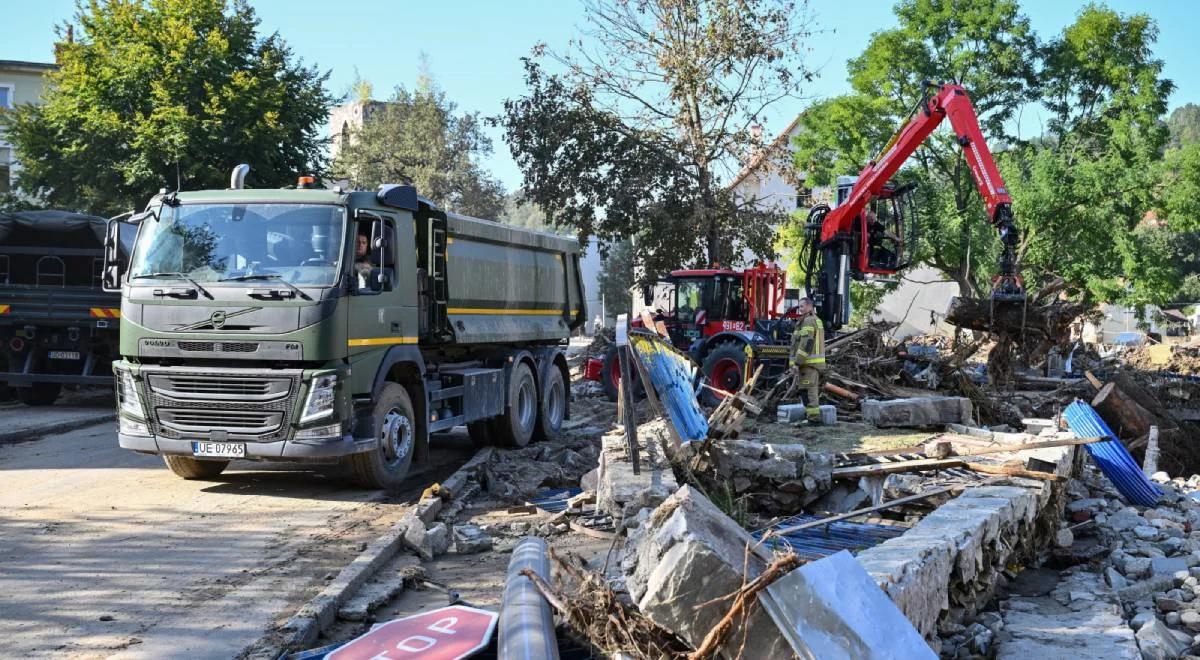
column 714, row 315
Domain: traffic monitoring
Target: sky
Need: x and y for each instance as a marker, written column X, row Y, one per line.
column 474, row 46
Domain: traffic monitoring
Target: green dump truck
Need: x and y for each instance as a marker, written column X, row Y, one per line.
column 320, row 326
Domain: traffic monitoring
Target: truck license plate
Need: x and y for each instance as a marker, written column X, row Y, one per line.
column 219, row 449
column 63, row 355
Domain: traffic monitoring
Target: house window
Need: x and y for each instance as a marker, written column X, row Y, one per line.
column 804, row 198
column 6, row 95
column 5, row 169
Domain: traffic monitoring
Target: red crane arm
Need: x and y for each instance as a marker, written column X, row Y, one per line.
column 950, row 101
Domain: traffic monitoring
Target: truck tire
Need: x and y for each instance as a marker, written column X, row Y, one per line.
column 610, row 375
column 394, row 423
column 191, row 468
column 517, row 423
column 552, row 408
column 724, row 367
column 39, row 394
column 483, row 433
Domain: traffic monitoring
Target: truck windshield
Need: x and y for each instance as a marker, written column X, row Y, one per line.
column 298, row 243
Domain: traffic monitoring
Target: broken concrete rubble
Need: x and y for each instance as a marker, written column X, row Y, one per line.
column 686, row 554
column 619, row 491
column 770, row 477
column 918, row 412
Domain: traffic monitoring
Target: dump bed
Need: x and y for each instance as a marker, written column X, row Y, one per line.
column 507, row 284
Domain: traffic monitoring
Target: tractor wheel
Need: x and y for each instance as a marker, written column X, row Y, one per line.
column 723, row 368
column 610, row 376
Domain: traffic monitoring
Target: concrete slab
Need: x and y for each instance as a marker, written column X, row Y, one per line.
column 918, row 411
column 622, row 493
column 832, row 609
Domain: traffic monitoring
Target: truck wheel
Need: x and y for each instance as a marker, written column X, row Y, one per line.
column 483, row 433
column 394, row 423
column 610, row 375
column 724, row 368
column 519, row 419
column 553, row 406
column 39, row 394
column 191, row 468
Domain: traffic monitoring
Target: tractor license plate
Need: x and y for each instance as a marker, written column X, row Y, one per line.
column 63, row 355
column 219, row 449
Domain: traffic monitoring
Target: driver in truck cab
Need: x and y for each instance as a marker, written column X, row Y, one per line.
column 362, row 260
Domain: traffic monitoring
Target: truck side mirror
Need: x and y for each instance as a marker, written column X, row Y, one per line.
column 381, row 273
column 111, row 274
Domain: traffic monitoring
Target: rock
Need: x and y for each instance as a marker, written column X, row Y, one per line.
column 519, row 527
column 1167, row 604
column 619, row 491
column 1136, row 567
column 1141, row 589
column 1115, row 579
column 590, row 479
column 1063, row 538
column 107, row 617
column 979, row 638
column 416, row 537
column 469, row 539
column 1157, row 642
column 1090, row 505
column 439, row 538
column 991, row 620
column 1168, row 565
column 1160, row 477
column 1190, row 619
column 1146, row 532
column 688, row 553
column 918, row 411
column 1125, row 519
column 1140, row 619
column 1172, row 618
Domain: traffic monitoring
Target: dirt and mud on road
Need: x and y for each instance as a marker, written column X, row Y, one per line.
column 106, row 553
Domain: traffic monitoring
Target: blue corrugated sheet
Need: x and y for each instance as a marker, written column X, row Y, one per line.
column 671, row 376
column 1112, row 457
column 554, row 500
column 825, row 540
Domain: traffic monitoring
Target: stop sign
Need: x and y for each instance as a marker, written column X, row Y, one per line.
column 447, row 633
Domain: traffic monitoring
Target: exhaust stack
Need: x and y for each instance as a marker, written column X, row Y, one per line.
column 237, row 180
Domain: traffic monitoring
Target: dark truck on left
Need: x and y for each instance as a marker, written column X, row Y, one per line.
column 57, row 325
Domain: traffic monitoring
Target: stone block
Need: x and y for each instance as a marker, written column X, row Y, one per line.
column 792, row 413
column 622, row 493
column 918, row 411
column 1167, row 565
column 469, row 539
column 687, row 553
column 1157, row 642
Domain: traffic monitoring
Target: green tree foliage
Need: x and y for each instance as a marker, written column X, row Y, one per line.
column 521, row 213
column 616, row 278
column 418, row 137
column 1086, row 182
column 647, row 118
column 152, row 92
column 985, row 45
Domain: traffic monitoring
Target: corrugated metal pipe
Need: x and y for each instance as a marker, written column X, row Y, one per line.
column 1112, row 457
column 526, row 623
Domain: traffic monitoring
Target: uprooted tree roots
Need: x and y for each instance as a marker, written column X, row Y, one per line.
column 598, row 614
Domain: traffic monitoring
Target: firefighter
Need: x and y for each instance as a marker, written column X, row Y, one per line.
column 807, row 358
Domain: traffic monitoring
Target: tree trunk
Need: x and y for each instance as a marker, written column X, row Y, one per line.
column 1014, row 318
column 1126, row 418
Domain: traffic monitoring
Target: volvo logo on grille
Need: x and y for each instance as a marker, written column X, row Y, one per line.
column 218, row 319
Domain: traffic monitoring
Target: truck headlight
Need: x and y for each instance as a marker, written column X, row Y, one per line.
column 322, row 396
column 128, row 396
column 132, row 427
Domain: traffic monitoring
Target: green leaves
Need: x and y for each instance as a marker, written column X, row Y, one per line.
column 152, row 93
column 417, row 137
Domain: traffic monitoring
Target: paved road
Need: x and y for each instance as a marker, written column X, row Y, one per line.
column 105, row 553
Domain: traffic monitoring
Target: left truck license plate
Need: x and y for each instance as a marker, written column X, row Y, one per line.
column 219, row 449
column 63, row 355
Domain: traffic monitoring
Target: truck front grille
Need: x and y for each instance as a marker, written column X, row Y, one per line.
column 230, row 421
column 244, row 404
column 242, row 388
column 218, row 346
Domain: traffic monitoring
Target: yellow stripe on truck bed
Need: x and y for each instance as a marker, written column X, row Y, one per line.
column 381, row 341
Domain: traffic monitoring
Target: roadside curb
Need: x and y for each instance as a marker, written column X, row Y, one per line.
column 33, row 433
column 302, row 629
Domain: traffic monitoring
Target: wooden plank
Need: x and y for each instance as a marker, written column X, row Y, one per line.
column 1013, row 471
column 1044, row 444
column 921, row 465
column 1096, row 382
